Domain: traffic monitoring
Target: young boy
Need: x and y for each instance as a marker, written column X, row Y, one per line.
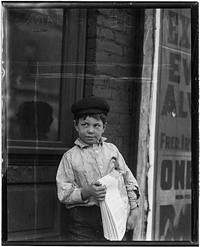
column 82, row 166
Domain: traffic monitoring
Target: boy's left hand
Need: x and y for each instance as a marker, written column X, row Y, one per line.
column 132, row 219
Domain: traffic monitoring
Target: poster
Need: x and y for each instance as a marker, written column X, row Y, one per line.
column 173, row 158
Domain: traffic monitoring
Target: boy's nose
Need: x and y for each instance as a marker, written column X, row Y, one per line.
column 90, row 130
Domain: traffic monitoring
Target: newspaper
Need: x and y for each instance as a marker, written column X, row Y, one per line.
column 115, row 208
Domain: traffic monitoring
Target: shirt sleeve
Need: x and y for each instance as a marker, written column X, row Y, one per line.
column 130, row 181
column 67, row 189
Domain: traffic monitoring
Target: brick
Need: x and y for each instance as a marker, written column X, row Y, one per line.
column 112, row 22
column 118, row 59
column 126, row 97
column 106, row 12
column 122, row 96
column 129, row 51
column 122, row 20
column 115, row 71
column 103, row 56
column 115, row 95
column 120, row 107
column 114, row 118
column 107, row 57
column 124, row 39
column 115, row 129
column 105, row 93
column 110, row 46
column 119, row 13
column 117, row 84
column 110, row 70
column 105, row 82
column 128, row 86
column 98, row 79
column 105, row 33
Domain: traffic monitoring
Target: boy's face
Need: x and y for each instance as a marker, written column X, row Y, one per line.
column 90, row 130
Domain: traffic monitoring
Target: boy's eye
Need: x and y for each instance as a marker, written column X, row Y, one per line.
column 97, row 125
column 84, row 124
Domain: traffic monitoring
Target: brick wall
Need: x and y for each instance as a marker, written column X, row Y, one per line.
column 110, row 70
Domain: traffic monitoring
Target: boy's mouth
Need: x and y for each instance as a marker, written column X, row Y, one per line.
column 90, row 138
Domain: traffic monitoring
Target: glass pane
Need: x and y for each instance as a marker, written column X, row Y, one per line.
column 34, row 66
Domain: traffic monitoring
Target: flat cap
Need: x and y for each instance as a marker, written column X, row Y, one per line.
column 90, row 105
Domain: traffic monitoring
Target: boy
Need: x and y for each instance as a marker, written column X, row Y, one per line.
column 82, row 166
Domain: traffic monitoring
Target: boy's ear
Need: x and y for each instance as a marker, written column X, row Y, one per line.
column 104, row 126
column 75, row 125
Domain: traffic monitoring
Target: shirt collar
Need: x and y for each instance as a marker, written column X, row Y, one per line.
column 82, row 144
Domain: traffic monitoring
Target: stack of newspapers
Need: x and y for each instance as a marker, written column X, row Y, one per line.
column 115, row 208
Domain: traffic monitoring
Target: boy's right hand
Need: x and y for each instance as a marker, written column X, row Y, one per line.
column 96, row 190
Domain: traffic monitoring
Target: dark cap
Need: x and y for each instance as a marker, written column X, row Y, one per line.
column 90, row 105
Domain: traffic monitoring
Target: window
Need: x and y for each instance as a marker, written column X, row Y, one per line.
column 43, row 61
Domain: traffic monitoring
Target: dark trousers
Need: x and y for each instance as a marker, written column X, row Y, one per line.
column 85, row 224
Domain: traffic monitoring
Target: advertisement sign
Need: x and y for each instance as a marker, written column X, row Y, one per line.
column 173, row 153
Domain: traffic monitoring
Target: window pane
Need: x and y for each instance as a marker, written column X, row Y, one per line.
column 34, row 67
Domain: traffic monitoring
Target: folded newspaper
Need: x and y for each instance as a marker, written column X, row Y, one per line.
column 115, row 208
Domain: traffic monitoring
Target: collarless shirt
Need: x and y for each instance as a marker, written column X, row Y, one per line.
column 84, row 164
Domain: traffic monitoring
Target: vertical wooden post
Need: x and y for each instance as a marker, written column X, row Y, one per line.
column 144, row 122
